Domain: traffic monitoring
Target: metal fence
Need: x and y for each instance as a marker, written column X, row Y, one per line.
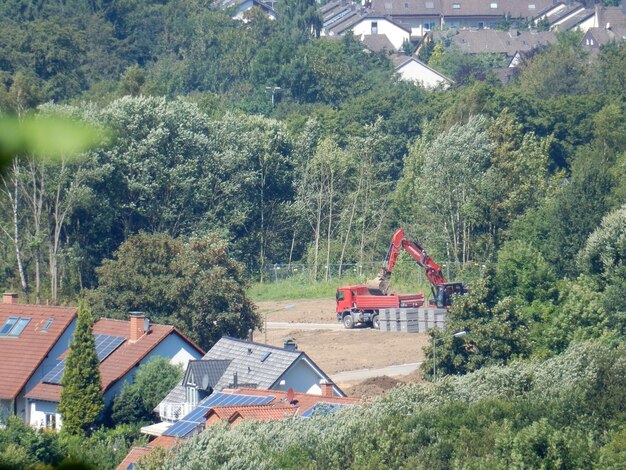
column 405, row 271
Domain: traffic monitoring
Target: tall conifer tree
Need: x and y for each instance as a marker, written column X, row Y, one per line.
column 81, row 398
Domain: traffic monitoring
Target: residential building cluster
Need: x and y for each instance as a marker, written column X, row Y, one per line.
column 235, row 380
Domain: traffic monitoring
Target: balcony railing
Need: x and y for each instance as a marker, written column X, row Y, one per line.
column 174, row 411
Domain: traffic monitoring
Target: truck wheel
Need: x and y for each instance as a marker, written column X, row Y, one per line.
column 375, row 322
column 348, row 322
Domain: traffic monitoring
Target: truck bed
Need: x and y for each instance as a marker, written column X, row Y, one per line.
column 371, row 302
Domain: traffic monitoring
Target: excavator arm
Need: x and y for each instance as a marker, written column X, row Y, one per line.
column 441, row 288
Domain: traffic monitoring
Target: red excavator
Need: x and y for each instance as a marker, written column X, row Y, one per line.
column 360, row 304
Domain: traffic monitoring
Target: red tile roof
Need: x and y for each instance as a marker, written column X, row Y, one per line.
column 122, row 360
column 304, row 401
column 22, row 355
column 135, row 454
column 257, row 412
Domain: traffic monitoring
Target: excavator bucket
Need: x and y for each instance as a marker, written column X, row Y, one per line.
column 380, row 284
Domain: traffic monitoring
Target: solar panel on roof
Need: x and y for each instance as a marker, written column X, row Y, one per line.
column 320, row 409
column 56, row 374
column 196, row 417
column 105, row 345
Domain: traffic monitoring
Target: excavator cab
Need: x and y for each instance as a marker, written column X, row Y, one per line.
column 444, row 293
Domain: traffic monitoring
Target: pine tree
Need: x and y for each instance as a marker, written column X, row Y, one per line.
column 81, row 398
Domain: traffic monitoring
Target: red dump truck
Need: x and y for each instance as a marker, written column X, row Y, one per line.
column 361, row 304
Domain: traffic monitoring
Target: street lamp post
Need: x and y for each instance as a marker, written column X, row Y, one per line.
column 286, row 307
column 455, row 335
column 272, row 90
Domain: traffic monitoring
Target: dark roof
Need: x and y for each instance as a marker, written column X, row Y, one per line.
column 506, row 74
column 512, row 8
column 251, row 362
column 485, row 41
column 20, row 356
column 206, row 373
column 122, row 360
column 377, row 43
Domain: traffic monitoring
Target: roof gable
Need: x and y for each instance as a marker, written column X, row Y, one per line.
column 23, row 354
column 122, row 360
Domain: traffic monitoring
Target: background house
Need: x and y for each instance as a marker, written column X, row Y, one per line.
column 410, row 69
column 122, row 346
column 233, row 363
column 31, row 338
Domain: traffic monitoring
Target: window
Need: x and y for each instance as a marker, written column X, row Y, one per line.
column 429, row 26
column 406, row 5
column 374, row 27
column 493, row 6
column 47, row 325
column 388, row 6
column 14, row 326
column 8, row 325
column 340, row 295
column 456, row 6
column 51, row 421
column 429, row 5
column 192, row 396
column 481, row 25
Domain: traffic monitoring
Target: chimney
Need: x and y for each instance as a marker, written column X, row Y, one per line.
column 327, row 388
column 290, row 345
column 139, row 325
column 9, row 298
column 250, row 336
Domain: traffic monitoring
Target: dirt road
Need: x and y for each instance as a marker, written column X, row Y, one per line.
column 335, row 349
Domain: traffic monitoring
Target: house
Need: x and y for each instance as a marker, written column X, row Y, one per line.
column 489, row 41
column 396, row 33
column 233, row 406
column 610, row 26
column 423, row 16
column 410, row 69
column 234, row 363
column 122, row 346
column 242, row 6
column 31, row 337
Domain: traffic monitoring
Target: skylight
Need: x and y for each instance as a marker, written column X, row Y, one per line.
column 47, row 325
column 456, row 6
column 14, row 326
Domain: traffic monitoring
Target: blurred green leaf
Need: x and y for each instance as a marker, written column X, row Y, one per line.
column 45, row 137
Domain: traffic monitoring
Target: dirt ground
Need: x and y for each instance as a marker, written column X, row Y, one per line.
column 342, row 350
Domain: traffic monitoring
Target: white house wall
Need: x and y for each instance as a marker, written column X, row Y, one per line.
column 394, row 33
column 420, row 75
column 302, row 378
column 38, row 411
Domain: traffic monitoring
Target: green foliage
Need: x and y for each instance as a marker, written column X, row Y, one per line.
column 153, row 381
column 522, row 272
column 528, row 415
column 81, row 398
column 497, row 331
column 192, row 283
